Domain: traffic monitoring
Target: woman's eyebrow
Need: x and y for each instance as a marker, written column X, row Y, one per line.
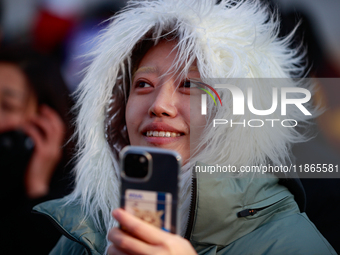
column 145, row 69
column 151, row 69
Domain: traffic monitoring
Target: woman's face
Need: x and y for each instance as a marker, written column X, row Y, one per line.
column 162, row 107
column 17, row 102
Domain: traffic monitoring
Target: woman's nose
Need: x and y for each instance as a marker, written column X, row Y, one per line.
column 164, row 102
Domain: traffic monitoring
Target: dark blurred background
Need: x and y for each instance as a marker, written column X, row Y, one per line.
column 61, row 27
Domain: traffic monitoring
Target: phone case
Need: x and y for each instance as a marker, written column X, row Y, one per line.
column 153, row 198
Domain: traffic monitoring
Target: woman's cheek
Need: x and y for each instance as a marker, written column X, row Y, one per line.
column 134, row 114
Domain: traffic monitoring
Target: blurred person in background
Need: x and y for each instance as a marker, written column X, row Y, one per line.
column 34, row 125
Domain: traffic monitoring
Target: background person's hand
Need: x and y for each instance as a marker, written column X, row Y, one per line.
column 140, row 237
column 47, row 130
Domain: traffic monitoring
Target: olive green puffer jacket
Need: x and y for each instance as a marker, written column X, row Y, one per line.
column 228, row 216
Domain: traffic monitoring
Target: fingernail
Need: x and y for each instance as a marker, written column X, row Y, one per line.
column 115, row 213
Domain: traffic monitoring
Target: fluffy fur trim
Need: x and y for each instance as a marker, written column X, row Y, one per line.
column 232, row 39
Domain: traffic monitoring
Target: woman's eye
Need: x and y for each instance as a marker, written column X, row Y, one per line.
column 143, row 84
column 186, row 84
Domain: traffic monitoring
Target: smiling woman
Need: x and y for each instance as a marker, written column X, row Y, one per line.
column 137, row 92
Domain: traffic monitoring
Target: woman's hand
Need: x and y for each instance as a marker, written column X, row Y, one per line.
column 140, row 237
column 47, row 131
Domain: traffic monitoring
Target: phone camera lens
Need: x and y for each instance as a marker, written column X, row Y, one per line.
column 136, row 166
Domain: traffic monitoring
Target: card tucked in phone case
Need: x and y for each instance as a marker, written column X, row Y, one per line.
column 150, row 206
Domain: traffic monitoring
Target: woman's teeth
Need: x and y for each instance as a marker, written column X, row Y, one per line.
column 162, row 134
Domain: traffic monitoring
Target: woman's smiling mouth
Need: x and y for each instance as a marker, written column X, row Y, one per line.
column 161, row 134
